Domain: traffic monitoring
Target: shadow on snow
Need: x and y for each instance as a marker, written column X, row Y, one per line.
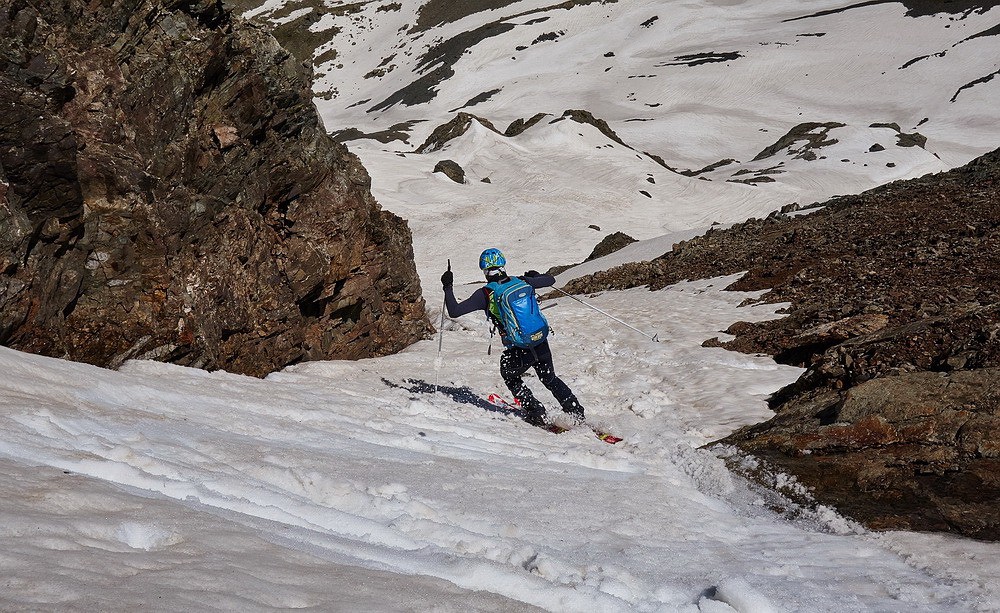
column 462, row 395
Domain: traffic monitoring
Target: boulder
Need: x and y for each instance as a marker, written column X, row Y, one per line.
column 917, row 451
column 168, row 192
column 451, row 169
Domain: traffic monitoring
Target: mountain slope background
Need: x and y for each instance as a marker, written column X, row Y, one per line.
column 715, row 111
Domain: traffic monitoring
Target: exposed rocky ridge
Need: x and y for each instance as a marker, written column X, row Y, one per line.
column 518, row 126
column 914, row 139
column 895, row 312
column 437, row 64
column 460, row 123
column 581, row 116
column 451, row 130
column 167, row 191
column 813, row 136
column 435, row 12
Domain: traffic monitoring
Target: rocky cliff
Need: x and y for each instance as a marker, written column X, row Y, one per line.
column 895, row 314
column 167, row 191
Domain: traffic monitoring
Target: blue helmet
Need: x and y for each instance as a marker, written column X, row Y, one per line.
column 492, row 258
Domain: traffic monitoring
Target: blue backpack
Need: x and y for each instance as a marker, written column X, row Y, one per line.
column 514, row 306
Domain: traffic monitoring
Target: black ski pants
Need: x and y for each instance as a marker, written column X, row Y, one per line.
column 515, row 361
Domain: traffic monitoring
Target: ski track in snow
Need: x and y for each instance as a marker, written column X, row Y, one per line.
column 325, row 461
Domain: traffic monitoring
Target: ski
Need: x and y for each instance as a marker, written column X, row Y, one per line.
column 500, row 401
column 611, row 439
column 515, row 406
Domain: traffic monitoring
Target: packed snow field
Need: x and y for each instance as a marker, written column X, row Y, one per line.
column 331, row 486
column 350, row 486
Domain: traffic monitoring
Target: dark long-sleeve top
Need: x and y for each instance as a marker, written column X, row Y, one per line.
column 477, row 301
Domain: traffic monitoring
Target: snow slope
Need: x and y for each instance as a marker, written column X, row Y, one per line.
column 544, row 219
column 321, row 486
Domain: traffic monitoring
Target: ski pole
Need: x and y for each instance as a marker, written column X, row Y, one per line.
column 437, row 360
column 609, row 316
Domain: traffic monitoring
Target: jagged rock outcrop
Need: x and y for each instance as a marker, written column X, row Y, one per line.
column 615, row 241
column 812, row 135
column 461, row 122
column 609, row 244
column 581, row 116
column 451, row 130
column 895, row 314
column 168, row 192
column 519, row 126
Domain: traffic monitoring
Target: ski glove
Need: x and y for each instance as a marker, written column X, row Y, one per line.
column 531, row 273
column 447, row 279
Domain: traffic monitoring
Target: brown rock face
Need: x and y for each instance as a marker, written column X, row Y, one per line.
column 167, row 191
column 912, row 451
column 895, row 314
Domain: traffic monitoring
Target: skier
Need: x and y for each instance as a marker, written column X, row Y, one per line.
column 515, row 360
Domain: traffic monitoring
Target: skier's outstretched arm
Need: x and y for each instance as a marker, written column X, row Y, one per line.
column 537, row 279
column 475, row 302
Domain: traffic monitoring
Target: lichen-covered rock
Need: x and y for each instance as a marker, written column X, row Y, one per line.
column 168, row 192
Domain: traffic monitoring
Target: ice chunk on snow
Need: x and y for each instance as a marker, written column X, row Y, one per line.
column 742, row 597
